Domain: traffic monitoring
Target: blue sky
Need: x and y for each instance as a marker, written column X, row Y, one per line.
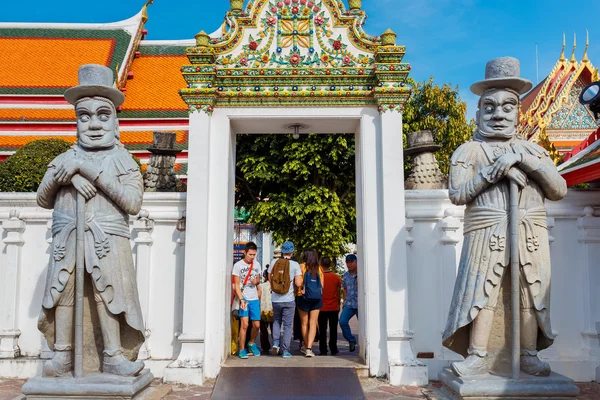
column 449, row 39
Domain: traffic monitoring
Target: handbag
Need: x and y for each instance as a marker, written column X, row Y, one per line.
column 235, row 302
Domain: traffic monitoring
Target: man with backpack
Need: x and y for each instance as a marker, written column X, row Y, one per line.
column 246, row 278
column 283, row 273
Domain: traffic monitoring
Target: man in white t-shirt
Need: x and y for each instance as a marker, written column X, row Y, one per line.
column 246, row 279
column 284, row 305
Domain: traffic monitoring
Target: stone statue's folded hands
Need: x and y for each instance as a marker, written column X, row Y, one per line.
column 518, row 176
column 503, row 165
column 83, row 186
column 65, row 171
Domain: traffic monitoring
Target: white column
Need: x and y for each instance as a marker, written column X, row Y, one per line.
column 9, row 284
column 405, row 369
column 371, row 304
column 144, row 227
column 219, row 252
column 187, row 368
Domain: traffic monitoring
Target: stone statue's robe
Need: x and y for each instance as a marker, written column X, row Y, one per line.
column 485, row 256
column 108, row 258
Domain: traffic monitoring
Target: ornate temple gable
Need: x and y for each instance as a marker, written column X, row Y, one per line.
column 569, row 114
column 296, row 52
column 555, row 107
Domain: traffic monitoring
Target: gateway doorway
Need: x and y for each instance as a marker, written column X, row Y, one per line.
column 314, row 175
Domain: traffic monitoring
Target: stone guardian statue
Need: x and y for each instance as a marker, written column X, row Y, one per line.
column 480, row 175
column 102, row 170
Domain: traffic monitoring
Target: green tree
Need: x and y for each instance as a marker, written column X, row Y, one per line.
column 301, row 190
column 25, row 169
column 440, row 110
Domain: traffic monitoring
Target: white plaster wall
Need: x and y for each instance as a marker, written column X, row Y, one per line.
column 435, row 243
column 434, row 240
column 165, row 268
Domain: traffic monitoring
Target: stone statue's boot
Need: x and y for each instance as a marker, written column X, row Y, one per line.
column 114, row 360
column 476, row 363
column 119, row 365
column 472, row 365
column 60, row 365
column 530, row 363
column 62, row 362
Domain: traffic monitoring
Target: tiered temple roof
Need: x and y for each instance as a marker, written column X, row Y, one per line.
column 41, row 60
column 552, row 108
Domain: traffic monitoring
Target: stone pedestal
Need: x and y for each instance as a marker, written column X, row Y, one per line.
column 91, row 386
column 489, row 387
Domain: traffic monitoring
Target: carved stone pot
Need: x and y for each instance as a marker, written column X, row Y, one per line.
column 355, row 4
column 236, row 5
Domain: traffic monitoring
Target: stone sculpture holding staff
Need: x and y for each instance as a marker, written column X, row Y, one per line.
column 480, row 175
column 101, row 170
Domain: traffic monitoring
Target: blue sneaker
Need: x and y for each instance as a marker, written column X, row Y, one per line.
column 286, row 354
column 275, row 348
column 243, row 354
column 254, row 349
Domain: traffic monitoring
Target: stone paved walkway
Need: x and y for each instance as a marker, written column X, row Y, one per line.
column 375, row 389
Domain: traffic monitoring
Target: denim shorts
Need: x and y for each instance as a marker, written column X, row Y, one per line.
column 252, row 310
column 307, row 305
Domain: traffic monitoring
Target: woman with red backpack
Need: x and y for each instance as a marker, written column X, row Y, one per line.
column 311, row 300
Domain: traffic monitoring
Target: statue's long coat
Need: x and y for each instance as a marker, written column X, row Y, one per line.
column 108, row 257
column 485, row 254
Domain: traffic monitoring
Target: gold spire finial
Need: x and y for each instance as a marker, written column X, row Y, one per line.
column 587, row 44
column 573, row 59
column 388, row 38
column 145, row 11
column 562, row 53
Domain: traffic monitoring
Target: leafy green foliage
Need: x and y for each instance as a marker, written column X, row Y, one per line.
column 25, row 169
column 301, row 190
column 440, row 110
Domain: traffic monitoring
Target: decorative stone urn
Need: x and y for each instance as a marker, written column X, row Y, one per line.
column 426, row 173
column 355, row 4
column 236, row 5
column 160, row 172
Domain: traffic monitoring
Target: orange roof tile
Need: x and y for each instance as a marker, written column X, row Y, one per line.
column 20, row 141
column 37, row 114
column 50, row 62
column 156, row 83
column 128, row 138
column 146, row 137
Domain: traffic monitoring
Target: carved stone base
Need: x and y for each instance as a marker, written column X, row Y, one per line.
column 91, row 386
column 186, row 376
column 554, row 387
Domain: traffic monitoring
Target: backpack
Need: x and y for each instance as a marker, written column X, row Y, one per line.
column 312, row 286
column 281, row 276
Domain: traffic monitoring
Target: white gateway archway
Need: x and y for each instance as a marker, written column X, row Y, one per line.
column 272, row 64
column 385, row 336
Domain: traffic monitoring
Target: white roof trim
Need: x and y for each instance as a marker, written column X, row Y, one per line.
column 182, row 42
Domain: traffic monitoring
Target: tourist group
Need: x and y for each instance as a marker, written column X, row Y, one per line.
column 291, row 298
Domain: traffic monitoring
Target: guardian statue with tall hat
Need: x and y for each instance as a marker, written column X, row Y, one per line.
column 485, row 172
column 102, row 173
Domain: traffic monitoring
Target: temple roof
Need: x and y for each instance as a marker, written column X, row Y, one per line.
column 44, row 58
column 585, row 165
column 553, row 105
column 42, row 62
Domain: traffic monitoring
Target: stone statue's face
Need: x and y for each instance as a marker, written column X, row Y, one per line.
column 498, row 113
column 96, row 123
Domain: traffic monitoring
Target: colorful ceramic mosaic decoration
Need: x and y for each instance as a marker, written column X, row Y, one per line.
column 295, row 53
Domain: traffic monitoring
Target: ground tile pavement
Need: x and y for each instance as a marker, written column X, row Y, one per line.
column 375, row 389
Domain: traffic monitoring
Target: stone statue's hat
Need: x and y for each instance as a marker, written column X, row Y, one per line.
column 501, row 73
column 420, row 142
column 95, row 80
